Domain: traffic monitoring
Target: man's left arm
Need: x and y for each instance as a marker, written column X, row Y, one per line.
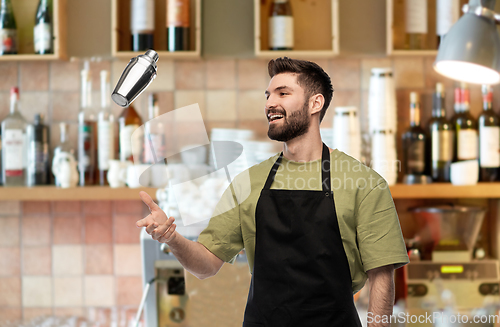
column 381, row 296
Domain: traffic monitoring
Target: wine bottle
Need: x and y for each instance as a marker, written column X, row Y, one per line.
column 447, row 14
column 442, row 136
column 142, row 24
column 154, row 134
column 87, row 134
column 178, row 25
column 281, row 25
column 489, row 139
column 38, row 153
column 8, row 29
column 105, row 131
column 64, row 145
column 414, row 139
column 466, row 144
column 14, row 144
column 129, row 121
column 42, row 31
column 416, row 24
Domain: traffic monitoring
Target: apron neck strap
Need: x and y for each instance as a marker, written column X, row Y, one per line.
column 325, row 170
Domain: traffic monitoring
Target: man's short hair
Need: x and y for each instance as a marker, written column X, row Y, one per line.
column 311, row 77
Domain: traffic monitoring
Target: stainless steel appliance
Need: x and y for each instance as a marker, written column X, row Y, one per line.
column 445, row 280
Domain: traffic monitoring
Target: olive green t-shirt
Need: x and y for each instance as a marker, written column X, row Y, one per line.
column 367, row 218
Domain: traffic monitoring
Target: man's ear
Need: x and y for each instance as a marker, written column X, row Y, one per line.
column 316, row 103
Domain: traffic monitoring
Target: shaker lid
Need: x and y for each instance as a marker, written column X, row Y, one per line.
column 152, row 54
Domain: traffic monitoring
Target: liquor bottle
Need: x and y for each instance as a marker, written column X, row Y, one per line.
column 154, row 134
column 416, row 24
column 489, row 139
column 87, row 132
column 8, row 29
column 178, row 25
column 281, row 25
column 129, row 121
column 465, row 127
column 38, row 152
column 14, row 144
column 105, row 131
column 64, row 145
column 442, row 136
column 142, row 24
column 42, row 31
column 447, row 14
column 414, row 140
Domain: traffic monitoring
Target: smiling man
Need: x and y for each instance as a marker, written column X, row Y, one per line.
column 316, row 225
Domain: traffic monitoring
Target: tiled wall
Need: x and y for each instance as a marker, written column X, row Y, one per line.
column 64, row 257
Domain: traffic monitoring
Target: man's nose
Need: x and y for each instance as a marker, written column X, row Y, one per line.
column 271, row 102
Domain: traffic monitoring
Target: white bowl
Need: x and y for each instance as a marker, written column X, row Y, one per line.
column 464, row 172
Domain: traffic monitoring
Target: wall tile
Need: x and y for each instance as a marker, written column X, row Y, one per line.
column 10, row 291
column 10, row 232
column 189, row 75
column 129, row 290
column 34, row 76
column 31, row 314
column 251, row 105
column 252, row 75
column 67, row 260
column 345, row 73
column 65, row 107
column 366, row 67
column 66, row 207
column 10, row 208
column 408, row 72
column 125, row 229
column 10, row 261
column 8, row 71
column 65, row 76
column 37, row 291
column 95, row 74
column 11, row 314
column 37, row 260
column 186, row 98
column 99, row 291
column 130, row 207
column 68, row 291
column 99, row 259
column 221, row 105
column 260, row 128
column 127, row 260
column 97, row 207
column 36, row 208
column 36, row 230
column 32, row 103
column 221, row 74
column 67, row 229
column 98, row 229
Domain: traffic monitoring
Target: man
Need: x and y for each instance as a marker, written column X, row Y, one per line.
column 316, row 224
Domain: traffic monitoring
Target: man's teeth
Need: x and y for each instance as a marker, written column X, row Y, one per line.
column 275, row 116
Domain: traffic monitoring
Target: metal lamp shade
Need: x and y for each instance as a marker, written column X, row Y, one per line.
column 470, row 51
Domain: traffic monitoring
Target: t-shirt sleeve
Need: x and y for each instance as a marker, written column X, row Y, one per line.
column 223, row 235
column 380, row 239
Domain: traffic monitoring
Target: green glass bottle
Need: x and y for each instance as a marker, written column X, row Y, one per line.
column 8, row 29
column 42, row 32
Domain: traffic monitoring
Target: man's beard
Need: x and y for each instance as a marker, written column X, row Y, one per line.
column 294, row 125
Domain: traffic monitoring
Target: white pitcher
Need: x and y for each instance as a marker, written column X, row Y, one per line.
column 116, row 173
column 65, row 170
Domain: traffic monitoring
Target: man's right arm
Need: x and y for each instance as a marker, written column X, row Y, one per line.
column 193, row 256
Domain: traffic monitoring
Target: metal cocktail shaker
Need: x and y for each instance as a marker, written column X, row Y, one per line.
column 136, row 77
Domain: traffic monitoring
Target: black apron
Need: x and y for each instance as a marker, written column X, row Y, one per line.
column 301, row 276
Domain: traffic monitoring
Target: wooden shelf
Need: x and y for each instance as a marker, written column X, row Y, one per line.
column 25, row 12
column 399, row 191
column 120, row 31
column 445, row 191
column 316, row 29
column 52, row 193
